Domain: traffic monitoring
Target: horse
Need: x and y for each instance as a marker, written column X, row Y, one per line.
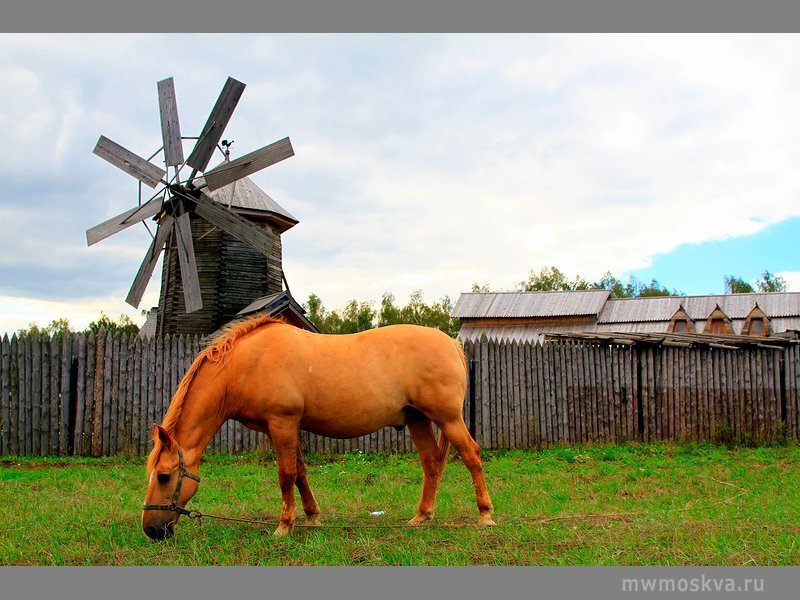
column 278, row 379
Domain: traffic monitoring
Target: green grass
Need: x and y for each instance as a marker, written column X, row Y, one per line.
column 682, row 505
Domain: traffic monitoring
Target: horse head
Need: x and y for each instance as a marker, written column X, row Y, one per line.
column 169, row 486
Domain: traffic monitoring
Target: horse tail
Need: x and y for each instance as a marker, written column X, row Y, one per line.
column 444, row 449
column 461, row 355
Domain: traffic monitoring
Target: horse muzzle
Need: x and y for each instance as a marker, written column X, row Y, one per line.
column 160, row 533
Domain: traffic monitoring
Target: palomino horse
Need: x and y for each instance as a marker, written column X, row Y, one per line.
column 277, row 379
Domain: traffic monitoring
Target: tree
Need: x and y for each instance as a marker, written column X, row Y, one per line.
column 615, row 286
column 123, row 324
column 57, row 327
column 737, row 285
column 483, row 287
column 633, row 289
column 771, row 283
column 359, row 316
column 314, row 310
column 766, row 284
column 437, row 315
column 551, row 279
column 356, row 316
column 644, row 290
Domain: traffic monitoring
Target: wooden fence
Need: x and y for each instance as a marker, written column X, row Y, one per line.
column 529, row 395
column 99, row 395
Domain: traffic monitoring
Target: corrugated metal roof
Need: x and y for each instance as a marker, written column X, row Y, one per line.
column 529, row 304
column 630, row 310
column 738, row 306
column 661, row 308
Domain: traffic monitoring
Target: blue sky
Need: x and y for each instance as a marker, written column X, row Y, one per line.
column 700, row 268
column 422, row 161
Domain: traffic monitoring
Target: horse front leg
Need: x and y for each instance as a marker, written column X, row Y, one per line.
column 310, row 507
column 285, row 442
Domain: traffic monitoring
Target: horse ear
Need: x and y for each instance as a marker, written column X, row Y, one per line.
column 160, row 434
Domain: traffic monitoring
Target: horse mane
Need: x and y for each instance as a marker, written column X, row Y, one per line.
column 217, row 351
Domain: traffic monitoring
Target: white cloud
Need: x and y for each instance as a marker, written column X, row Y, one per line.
column 792, row 279
column 430, row 161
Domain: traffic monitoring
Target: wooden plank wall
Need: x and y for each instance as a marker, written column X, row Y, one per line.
column 529, row 395
column 99, row 395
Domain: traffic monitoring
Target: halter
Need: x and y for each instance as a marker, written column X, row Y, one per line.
column 173, row 505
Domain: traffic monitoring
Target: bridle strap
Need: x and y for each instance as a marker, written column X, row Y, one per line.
column 173, row 505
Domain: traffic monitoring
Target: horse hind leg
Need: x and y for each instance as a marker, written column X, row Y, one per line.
column 456, row 431
column 310, row 507
column 285, row 442
column 433, row 460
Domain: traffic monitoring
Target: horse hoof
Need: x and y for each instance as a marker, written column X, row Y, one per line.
column 313, row 522
column 282, row 531
column 486, row 520
column 420, row 519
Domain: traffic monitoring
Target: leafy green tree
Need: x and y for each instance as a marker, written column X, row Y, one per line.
column 123, row 324
column 633, row 288
column 483, row 287
column 437, row 314
column 314, row 310
column 356, row 316
column 359, row 316
column 737, row 285
column 644, row 290
column 617, row 288
column 766, row 284
column 57, row 327
column 551, row 279
column 771, row 283
column 389, row 313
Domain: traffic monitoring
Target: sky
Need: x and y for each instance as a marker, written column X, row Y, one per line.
column 422, row 162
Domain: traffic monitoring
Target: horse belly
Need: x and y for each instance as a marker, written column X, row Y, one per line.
column 352, row 419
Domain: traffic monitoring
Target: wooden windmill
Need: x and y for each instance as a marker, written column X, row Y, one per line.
column 200, row 208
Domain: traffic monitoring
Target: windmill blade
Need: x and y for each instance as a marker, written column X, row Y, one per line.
column 228, row 221
column 248, row 164
column 191, row 283
column 170, row 126
column 149, row 263
column 215, row 126
column 122, row 221
column 131, row 163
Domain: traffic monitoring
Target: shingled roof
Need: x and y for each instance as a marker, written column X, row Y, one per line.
column 248, row 199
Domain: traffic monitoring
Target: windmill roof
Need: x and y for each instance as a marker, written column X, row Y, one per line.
column 246, row 196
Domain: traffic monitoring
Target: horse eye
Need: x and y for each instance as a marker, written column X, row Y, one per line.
column 162, row 477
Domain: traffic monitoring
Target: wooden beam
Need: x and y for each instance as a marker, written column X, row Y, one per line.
column 215, row 126
column 191, row 283
column 149, row 263
column 231, row 223
column 122, row 221
column 170, row 125
column 248, row 164
column 131, row 163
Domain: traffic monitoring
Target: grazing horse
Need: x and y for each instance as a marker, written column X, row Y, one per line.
column 277, row 379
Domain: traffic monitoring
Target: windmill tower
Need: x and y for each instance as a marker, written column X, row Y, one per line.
column 219, row 231
column 231, row 274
